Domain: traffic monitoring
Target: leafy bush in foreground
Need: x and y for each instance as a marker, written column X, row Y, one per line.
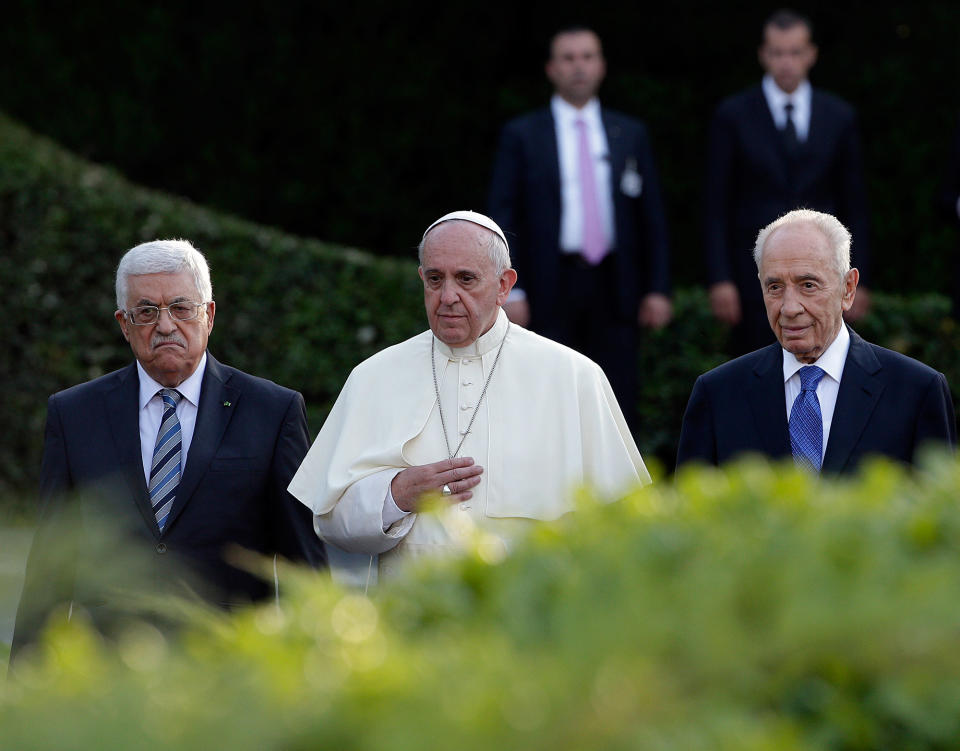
column 751, row 608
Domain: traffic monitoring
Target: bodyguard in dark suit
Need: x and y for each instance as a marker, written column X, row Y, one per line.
column 821, row 393
column 775, row 147
column 576, row 189
column 187, row 458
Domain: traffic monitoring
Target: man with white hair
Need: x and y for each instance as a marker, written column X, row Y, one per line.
column 188, row 456
column 820, row 393
column 500, row 421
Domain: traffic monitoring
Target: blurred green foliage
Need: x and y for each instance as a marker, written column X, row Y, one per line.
column 755, row 607
column 295, row 310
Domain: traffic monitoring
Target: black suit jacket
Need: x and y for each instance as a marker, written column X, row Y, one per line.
column 249, row 440
column 888, row 404
column 525, row 200
column 751, row 181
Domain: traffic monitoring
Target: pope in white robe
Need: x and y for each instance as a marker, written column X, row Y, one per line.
column 503, row 423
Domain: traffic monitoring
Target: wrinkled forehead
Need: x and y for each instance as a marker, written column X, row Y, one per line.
column 457, row 244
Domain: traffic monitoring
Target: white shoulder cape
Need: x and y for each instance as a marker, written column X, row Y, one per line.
column 553, row 419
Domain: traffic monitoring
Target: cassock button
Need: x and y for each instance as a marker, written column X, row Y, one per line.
column 463, row 432
column 467, row 362
column 464, row 406
column 161, row 548
column 468, row 383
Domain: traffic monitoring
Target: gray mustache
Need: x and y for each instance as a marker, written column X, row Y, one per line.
column 173, row 339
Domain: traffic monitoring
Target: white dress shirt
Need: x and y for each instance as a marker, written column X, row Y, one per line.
column 565, row 116
column 831, row 362
column 777, row 99
column 151, row 413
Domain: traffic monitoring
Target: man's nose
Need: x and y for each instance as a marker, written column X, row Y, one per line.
column 165, row 322
column 792, row 305
column 449, row 294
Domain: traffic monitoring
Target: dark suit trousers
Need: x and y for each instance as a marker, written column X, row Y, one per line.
column 588, row 320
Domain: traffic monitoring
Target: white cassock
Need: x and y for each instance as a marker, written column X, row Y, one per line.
column 549, row 422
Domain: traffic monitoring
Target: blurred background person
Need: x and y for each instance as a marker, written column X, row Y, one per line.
column 775, row 147
column 575, row 187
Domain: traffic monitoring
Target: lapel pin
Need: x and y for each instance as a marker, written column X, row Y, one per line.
column 226, row 404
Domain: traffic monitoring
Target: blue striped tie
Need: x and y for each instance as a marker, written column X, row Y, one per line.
column 806, row 421
column 165, row 468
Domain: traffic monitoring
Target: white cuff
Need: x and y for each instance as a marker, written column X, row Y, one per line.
column 392, row 513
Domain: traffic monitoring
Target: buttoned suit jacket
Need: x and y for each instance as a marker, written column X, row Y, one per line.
column 888, row 404
column 525, row 200
column 249, row 440
column 750, row 182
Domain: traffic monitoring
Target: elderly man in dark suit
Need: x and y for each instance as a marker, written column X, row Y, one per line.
column 575, row 188
column 778, row 146
column 821, row 393
column 189, row 457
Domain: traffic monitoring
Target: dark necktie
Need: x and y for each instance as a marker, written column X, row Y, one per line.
column 806, row 421
column 165, row 468
column 790, row 139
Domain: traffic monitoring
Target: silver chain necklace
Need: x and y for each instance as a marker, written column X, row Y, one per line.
column 483, row 393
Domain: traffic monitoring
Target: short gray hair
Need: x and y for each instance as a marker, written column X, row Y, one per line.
column 838, row 237
column 495, row 247
column 163, row 257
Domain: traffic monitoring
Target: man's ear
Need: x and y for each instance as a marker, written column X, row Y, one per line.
column 507, row 279
column 122, row 320
column 850, row 280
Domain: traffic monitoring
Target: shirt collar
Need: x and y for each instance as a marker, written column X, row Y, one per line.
column 831, row 361
column 777, row 97
column 190, row 388
column 484, row 343
column 566, row 113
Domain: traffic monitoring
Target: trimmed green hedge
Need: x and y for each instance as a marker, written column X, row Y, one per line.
column 294, row 310
column 755, row 608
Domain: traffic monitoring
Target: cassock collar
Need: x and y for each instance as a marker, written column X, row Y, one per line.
column 485, row 343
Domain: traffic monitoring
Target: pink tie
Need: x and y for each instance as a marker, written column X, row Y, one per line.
column 594, row 242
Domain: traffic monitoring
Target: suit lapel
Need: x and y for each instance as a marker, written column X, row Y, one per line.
column 616, row 145
column 218, row 401
column 549, row 154
column 859, row 392
column 768, row 403
column 121, row 405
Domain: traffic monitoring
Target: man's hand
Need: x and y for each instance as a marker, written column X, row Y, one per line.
column 655, row 311
column 518, row 311
column 725, row 302
column 860, row 307
column 460, row 475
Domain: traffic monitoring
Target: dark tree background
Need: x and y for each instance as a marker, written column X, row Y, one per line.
column 360, row 123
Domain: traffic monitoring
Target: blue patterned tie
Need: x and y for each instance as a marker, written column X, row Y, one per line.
column 806, row 421
column 165, row 468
